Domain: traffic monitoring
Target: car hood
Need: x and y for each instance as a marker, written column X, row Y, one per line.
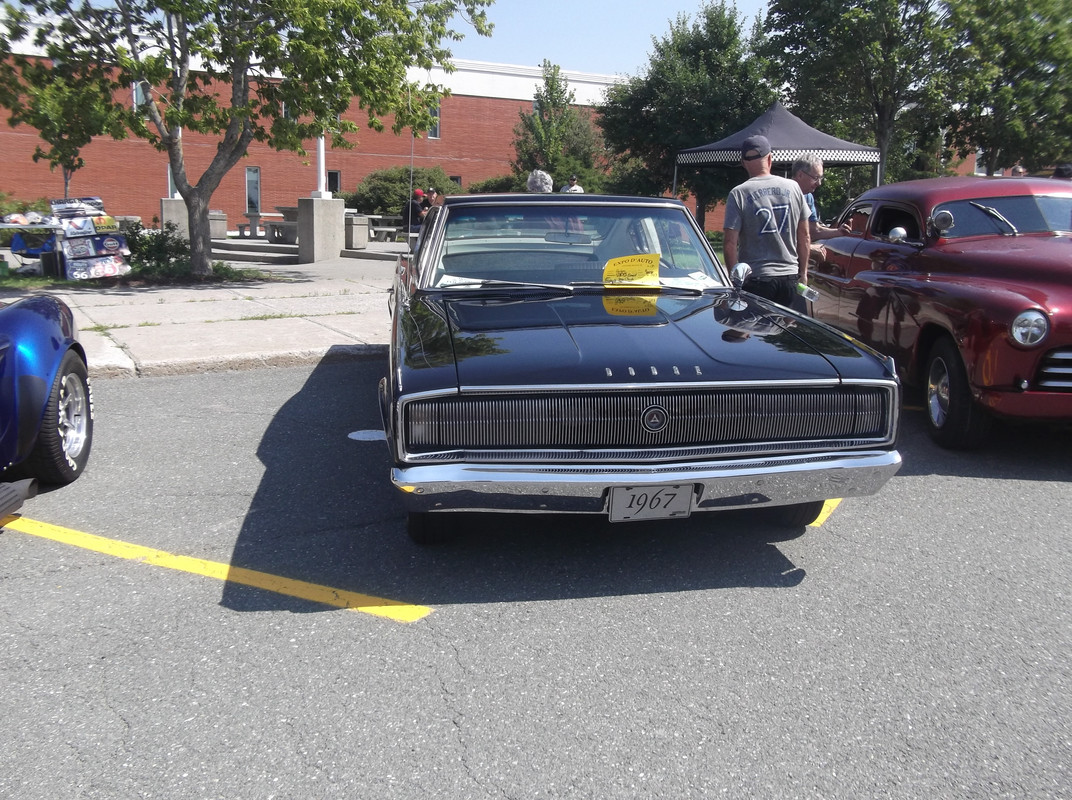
column 1029, row 257
column 604, row 339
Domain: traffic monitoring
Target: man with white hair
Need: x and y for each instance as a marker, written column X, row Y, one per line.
column 540, row 182
column 807, row 171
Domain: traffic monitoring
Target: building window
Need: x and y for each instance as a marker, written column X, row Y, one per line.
column 142, row 95
column 456, row 179
column 334, row 181
column 253, row 190
column 433, row 132
column 980, row 165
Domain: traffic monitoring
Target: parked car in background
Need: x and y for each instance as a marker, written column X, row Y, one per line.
column 967, row 283
column 588, row 354
column 46, row 413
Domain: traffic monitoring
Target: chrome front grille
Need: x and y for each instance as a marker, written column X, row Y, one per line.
column 698, row 423
column 1055, row 371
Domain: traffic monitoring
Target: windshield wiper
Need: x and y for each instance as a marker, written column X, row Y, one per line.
column 639, row 287
column 484, row 283
column 990, row 211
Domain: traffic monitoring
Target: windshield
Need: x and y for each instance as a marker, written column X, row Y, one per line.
column 571, row 245
column 985, row 216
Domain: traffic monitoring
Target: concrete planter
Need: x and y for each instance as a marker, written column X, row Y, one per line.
column 356, row 232
column 217, row 224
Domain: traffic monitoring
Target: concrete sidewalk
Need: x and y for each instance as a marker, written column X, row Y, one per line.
column 333, row 308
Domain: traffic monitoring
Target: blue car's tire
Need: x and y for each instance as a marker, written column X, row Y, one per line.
column 66, row 434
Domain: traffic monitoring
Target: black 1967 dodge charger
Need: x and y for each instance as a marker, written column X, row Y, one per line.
column 589, row 354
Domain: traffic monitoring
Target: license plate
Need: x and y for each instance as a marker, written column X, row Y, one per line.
column 650, row 502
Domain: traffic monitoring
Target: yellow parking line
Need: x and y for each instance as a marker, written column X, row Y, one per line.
column 824, row 515
column 391, row 609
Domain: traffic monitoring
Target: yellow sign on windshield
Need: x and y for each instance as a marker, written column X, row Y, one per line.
column 641, row 269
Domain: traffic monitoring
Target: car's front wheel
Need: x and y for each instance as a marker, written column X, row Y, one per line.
column 799, row 515
column 66, row 434
column 954, row 419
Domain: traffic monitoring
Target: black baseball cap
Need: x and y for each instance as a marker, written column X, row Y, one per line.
column 754, row 147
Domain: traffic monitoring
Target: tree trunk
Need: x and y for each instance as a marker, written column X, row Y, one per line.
column 200, row 233
column 701, row 211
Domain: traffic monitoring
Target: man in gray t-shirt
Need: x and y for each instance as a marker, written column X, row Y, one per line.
column 767, row 226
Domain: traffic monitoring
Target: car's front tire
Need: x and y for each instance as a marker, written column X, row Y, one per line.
column 66, row 436
column 799, row 515
column 953, row 418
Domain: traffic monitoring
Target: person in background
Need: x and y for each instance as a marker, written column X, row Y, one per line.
column 413, row 213
column 767, row 226
column 807, row 171
column 1018, row 171
column 540, row 182
column 573, row 187
column 1063, row 171
column 433, row 197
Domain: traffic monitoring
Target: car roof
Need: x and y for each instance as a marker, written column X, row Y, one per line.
column 928, row 192
column 559, row 198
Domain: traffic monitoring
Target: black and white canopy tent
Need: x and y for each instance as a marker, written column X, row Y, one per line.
column 789, row 136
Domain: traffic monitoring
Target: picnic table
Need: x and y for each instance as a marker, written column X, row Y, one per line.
column 385, row 228
column 285, row 229
column 254, row 224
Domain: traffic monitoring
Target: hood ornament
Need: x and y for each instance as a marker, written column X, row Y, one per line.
column 738, row 275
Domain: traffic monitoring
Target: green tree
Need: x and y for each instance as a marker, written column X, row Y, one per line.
column 862, row 69
column 274, row 71
column 557, row 137
column 1013, row 62
column 67, row 106
column 704, row 81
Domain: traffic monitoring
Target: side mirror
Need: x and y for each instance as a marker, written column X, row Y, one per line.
column 941, row 222
column 740, row 273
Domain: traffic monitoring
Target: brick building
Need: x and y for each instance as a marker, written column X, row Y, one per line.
column 474, row 141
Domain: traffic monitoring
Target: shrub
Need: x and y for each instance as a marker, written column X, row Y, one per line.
column 386, row 191
column 503, row 183
column 158, row 254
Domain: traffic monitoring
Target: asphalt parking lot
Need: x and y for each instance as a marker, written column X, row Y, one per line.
column 914, row 645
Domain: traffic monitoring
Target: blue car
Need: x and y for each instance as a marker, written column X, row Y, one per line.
column 46, row 409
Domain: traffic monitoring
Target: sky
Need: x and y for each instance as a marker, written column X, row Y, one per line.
column 609, row 37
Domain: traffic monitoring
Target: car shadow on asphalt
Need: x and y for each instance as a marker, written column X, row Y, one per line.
column 1011, row 450
column 324, row 512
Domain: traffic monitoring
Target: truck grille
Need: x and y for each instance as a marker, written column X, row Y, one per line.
column 1055, row 371
column 697, row 423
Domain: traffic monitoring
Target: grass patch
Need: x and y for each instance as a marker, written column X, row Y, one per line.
column 28, row 283
column 221, row 273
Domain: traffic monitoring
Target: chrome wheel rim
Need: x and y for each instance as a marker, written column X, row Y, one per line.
column 72, row 418
column 938, row 393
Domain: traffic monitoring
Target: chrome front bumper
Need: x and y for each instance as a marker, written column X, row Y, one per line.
column 576, row 489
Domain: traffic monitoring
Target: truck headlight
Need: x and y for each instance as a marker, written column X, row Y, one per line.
column 1029, row 328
